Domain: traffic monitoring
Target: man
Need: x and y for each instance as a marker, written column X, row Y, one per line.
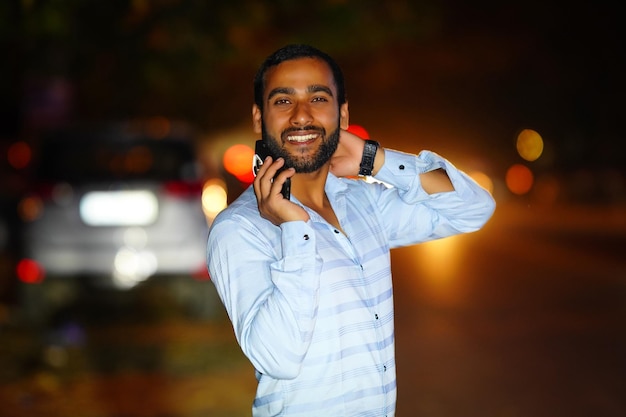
column 306, row 281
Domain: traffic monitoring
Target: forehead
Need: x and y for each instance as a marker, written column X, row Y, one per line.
column 299, row 74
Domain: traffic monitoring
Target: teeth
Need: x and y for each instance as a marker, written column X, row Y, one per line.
column 302, row 138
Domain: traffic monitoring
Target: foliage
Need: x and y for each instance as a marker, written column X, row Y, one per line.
column 191, row 59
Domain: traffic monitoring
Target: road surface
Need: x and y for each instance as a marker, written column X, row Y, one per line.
column 525, row 318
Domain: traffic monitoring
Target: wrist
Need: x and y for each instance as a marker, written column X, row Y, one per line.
column 369, row 156
column 379, row 161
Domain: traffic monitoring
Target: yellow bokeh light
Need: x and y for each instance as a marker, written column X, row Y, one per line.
column 440, row 258
column 483, row 180
column 214, row 197
column 439, row 266
column 529, row 145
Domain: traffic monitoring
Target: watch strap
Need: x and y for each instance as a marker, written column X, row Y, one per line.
column 367, row 160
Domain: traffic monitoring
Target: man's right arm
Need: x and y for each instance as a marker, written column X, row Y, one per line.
column 269, row 287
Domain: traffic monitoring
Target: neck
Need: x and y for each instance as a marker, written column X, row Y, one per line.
column 309, row 188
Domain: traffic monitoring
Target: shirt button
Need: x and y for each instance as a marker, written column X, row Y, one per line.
column 385, row 368
column 336, row 231
column 305, row 237
column 376, row 316
column 401, row 167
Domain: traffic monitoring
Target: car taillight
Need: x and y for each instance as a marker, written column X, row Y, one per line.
column 183, row 188
column 202, row 274
column 30, row 271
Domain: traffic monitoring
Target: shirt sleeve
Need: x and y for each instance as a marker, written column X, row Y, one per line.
column 411, row 215
column 269, row 288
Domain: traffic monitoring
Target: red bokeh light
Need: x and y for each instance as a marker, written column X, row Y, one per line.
column 19, row 155
column 359, row 131
column 29, row 271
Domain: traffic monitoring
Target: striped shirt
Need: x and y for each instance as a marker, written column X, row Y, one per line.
column 312, row 308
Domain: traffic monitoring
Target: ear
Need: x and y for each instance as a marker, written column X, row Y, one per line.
column 344, row 116
column 256, row 119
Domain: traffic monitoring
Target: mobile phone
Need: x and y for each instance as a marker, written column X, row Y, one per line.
column 261, row 151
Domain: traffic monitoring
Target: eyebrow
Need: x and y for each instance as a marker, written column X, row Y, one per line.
column 315, row 88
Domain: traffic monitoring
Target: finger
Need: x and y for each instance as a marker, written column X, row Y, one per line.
column 282, row 177
column 280, row 180
column 261, row 178
column 273, row 167
column 277, row 177
column 264, row 181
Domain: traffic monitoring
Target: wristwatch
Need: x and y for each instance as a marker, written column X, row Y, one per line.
column 367, row 160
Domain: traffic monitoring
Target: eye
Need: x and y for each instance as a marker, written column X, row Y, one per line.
column 281, row 101
column 320, row 99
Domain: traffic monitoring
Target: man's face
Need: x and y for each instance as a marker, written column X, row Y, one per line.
column 301, row 118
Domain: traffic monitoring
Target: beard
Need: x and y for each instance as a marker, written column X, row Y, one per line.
column 303, row 164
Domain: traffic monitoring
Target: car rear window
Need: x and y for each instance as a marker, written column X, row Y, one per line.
column 90, row 159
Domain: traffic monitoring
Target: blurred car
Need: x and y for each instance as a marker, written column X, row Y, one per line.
column 115, row 206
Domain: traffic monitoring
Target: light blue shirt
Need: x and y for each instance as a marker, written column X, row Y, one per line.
column 312, row 308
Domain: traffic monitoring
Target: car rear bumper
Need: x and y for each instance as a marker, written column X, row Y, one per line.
column 98, row 261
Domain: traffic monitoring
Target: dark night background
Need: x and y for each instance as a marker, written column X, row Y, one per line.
column 488, row 67
column 524, row 318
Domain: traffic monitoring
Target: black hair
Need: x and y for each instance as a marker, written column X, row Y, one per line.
column 296, row 51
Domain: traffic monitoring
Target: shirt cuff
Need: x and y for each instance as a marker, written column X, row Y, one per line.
column 298, row 239
column 402, row 170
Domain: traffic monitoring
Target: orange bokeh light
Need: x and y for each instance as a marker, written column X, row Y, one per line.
column 238, row 161
column 519, row 179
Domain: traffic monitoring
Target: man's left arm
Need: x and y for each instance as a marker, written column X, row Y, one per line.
column 435, row 181
column 430, row 197
column 430, row 190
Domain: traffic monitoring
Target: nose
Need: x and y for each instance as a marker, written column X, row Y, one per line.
column 301, row 115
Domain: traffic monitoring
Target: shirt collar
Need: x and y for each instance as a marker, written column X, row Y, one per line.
column 334, row 187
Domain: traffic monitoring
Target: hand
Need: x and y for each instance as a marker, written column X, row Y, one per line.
column 272, row 205
column 346, row 161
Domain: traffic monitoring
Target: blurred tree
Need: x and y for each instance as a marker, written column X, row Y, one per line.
column 191, row 59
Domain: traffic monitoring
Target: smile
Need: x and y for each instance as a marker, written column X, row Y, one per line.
column 302, row 138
